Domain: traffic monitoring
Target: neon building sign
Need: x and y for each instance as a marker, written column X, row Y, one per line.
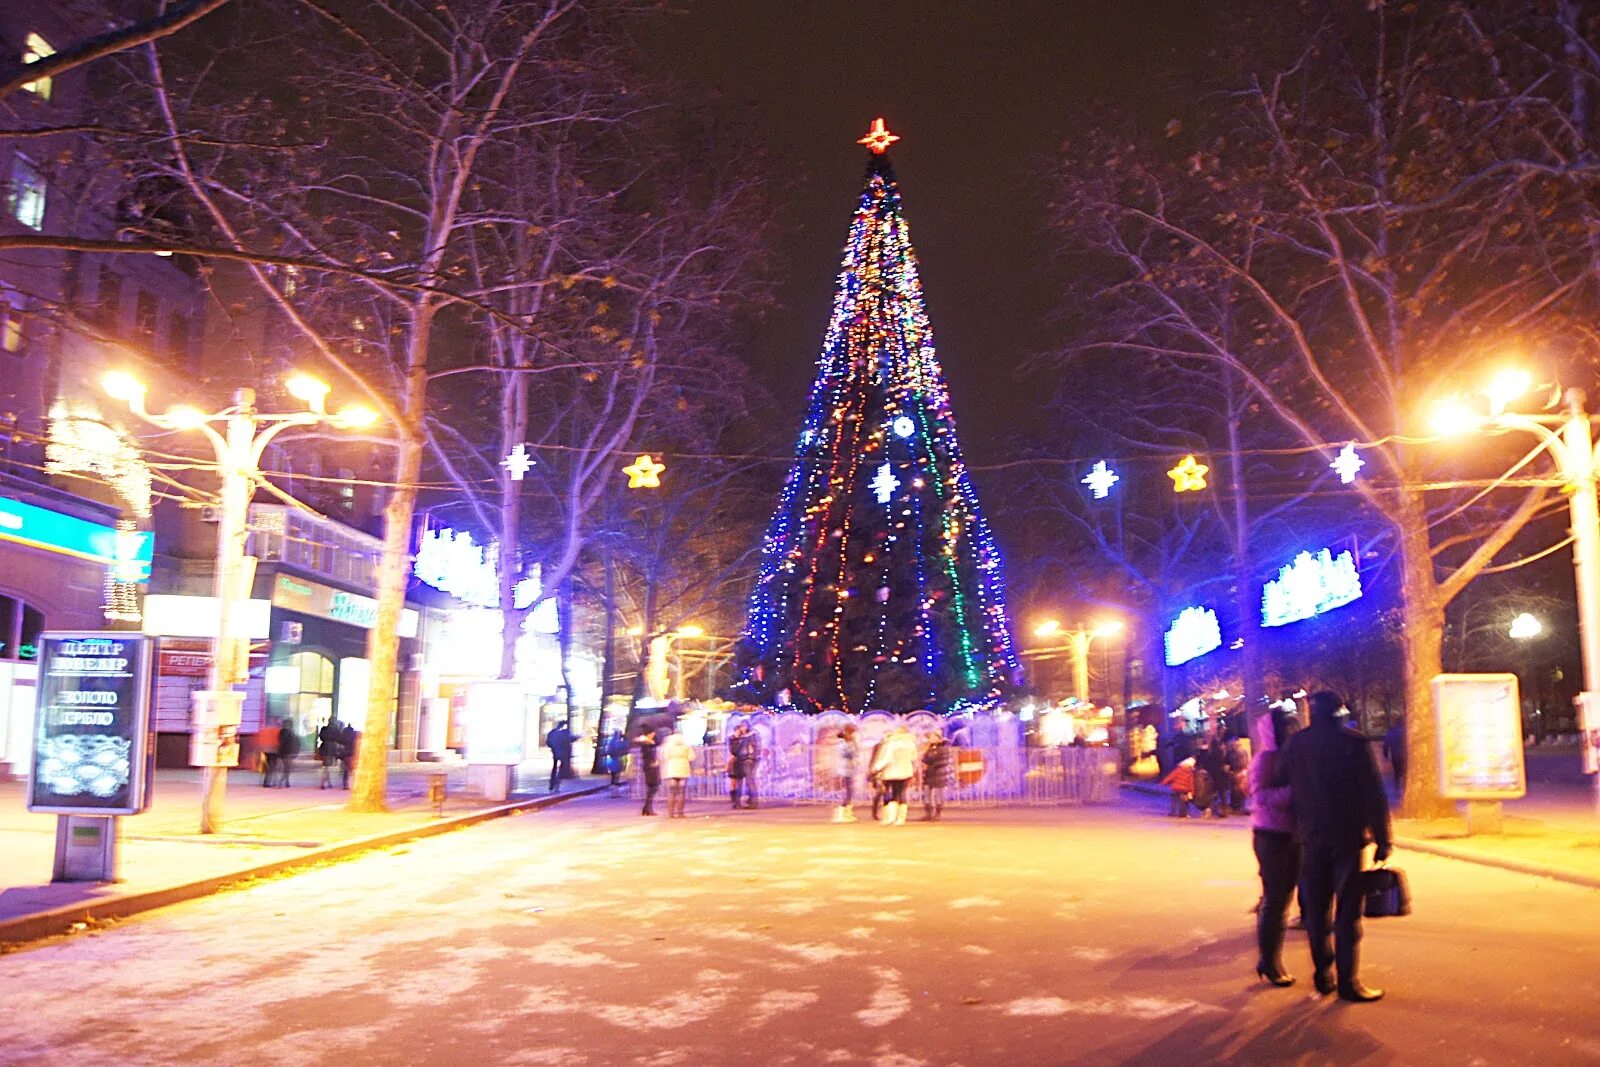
column 1192, row 634
column 1310, row 586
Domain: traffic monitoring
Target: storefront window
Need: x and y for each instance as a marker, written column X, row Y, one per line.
column 32, row 627
column 311, row 706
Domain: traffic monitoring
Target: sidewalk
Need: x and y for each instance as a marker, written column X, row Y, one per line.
column 164, row 857
column 1560, row 841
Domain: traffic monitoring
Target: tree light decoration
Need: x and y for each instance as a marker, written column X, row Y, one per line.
column 82, row 443
column 518, row 462
column 1311, row 585
column 644, row 473
column 1188, row 476
column 1192, row 634
column 885, row 484
column 452, row 563
column 1347, row 464
column 867, row 599
column 1100, row 479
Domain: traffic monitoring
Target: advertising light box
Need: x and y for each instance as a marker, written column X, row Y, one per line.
column 92, row 726
column 497, row 714
column 1480, row 736
column 129, row 551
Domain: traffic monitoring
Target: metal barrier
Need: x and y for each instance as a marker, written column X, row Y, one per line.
column 806, row 773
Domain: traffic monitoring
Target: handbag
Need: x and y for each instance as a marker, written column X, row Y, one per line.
column 1385, row 892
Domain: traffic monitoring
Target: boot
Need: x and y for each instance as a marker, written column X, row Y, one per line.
column 900, row 814
column 889, row 807
column 849, row 814
column 838, row 813
column 733, row 795
column 938, row 812
column 1357, row 993
column 927, row 813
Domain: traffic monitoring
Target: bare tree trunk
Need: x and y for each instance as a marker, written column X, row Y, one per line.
column 369, row 792
column 1244, row 581
column 513, row 430
column 1422, row 635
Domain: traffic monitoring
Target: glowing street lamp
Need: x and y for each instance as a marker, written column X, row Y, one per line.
column 1075, row 641
column 239, row 443
column 1525, row 627
column 1569, row 438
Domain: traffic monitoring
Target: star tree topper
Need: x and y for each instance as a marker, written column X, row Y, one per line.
column 1188, row 476
column 518, row 462
column 878, row 138
column 645, row 473
column 1100, row 479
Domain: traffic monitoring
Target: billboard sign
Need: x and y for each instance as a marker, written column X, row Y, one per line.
column 129, row 552
column 497, row 715
column 1480, row 736
column 92, row 727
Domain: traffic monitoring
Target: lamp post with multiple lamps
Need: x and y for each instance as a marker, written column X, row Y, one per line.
column 1075, row 642
column 1564, row 430
column 239, row 435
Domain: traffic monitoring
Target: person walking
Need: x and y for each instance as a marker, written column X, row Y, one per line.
column 895, row 761
column 267, row 739
column 1394, row 750
column 1211, row 759
column 677, row 759
column 616, row 753
column 1181, row 782
column 1272, row 832
column 744, row 753
column 559, row 741
column 649, row 769
column 849, row 754
column 330, row 741
column 348, row 740
column 288, row 749
column 936, row 763
column 1338, row 800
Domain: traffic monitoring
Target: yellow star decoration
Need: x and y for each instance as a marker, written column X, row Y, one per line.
column 1188, row 475
column 645, row 473
column 878, row 138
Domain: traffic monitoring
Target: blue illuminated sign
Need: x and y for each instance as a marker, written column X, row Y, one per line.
column 1192, row 634
column 129, row 551
column 1309, row 586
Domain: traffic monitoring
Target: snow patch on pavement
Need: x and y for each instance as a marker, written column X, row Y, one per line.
column 976, row 902
column 977, row 950
column 570, row 952
column 1142, row 1008
column 889, row 999
column 819, row 953
column 776, row 1002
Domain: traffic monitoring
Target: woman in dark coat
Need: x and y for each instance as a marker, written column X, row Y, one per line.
column 650, row 767
column 936, row 763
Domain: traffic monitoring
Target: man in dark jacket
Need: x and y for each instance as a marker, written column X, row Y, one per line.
column 744, row 752
column 560, row 741
column 1337, row 796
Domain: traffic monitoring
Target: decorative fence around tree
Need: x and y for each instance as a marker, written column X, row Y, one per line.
column 800, row 763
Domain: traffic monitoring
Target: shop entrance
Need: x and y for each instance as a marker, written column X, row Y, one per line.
column 310, row 707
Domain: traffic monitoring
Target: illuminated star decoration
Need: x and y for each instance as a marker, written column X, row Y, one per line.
column 1188, row 476
column 1347, row 464
column 885, row 484
column 1100, row 479
column 878, row 138
column 518, row 462
column 903, row 426
column 645, row 473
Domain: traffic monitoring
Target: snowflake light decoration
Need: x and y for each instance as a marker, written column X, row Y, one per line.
column 1100, row 479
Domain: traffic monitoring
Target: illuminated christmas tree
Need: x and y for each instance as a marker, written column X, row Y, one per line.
column 880, row 585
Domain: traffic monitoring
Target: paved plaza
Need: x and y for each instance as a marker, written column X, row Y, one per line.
column 585, row 934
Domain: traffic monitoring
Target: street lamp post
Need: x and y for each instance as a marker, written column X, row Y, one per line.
column 1569, row 439
column 1077, row 645
column 1524, row 628
column 239, row 445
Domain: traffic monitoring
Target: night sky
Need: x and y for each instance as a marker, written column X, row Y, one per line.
column 979, row 92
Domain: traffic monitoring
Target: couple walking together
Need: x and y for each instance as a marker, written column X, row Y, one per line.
column 1317, row 796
